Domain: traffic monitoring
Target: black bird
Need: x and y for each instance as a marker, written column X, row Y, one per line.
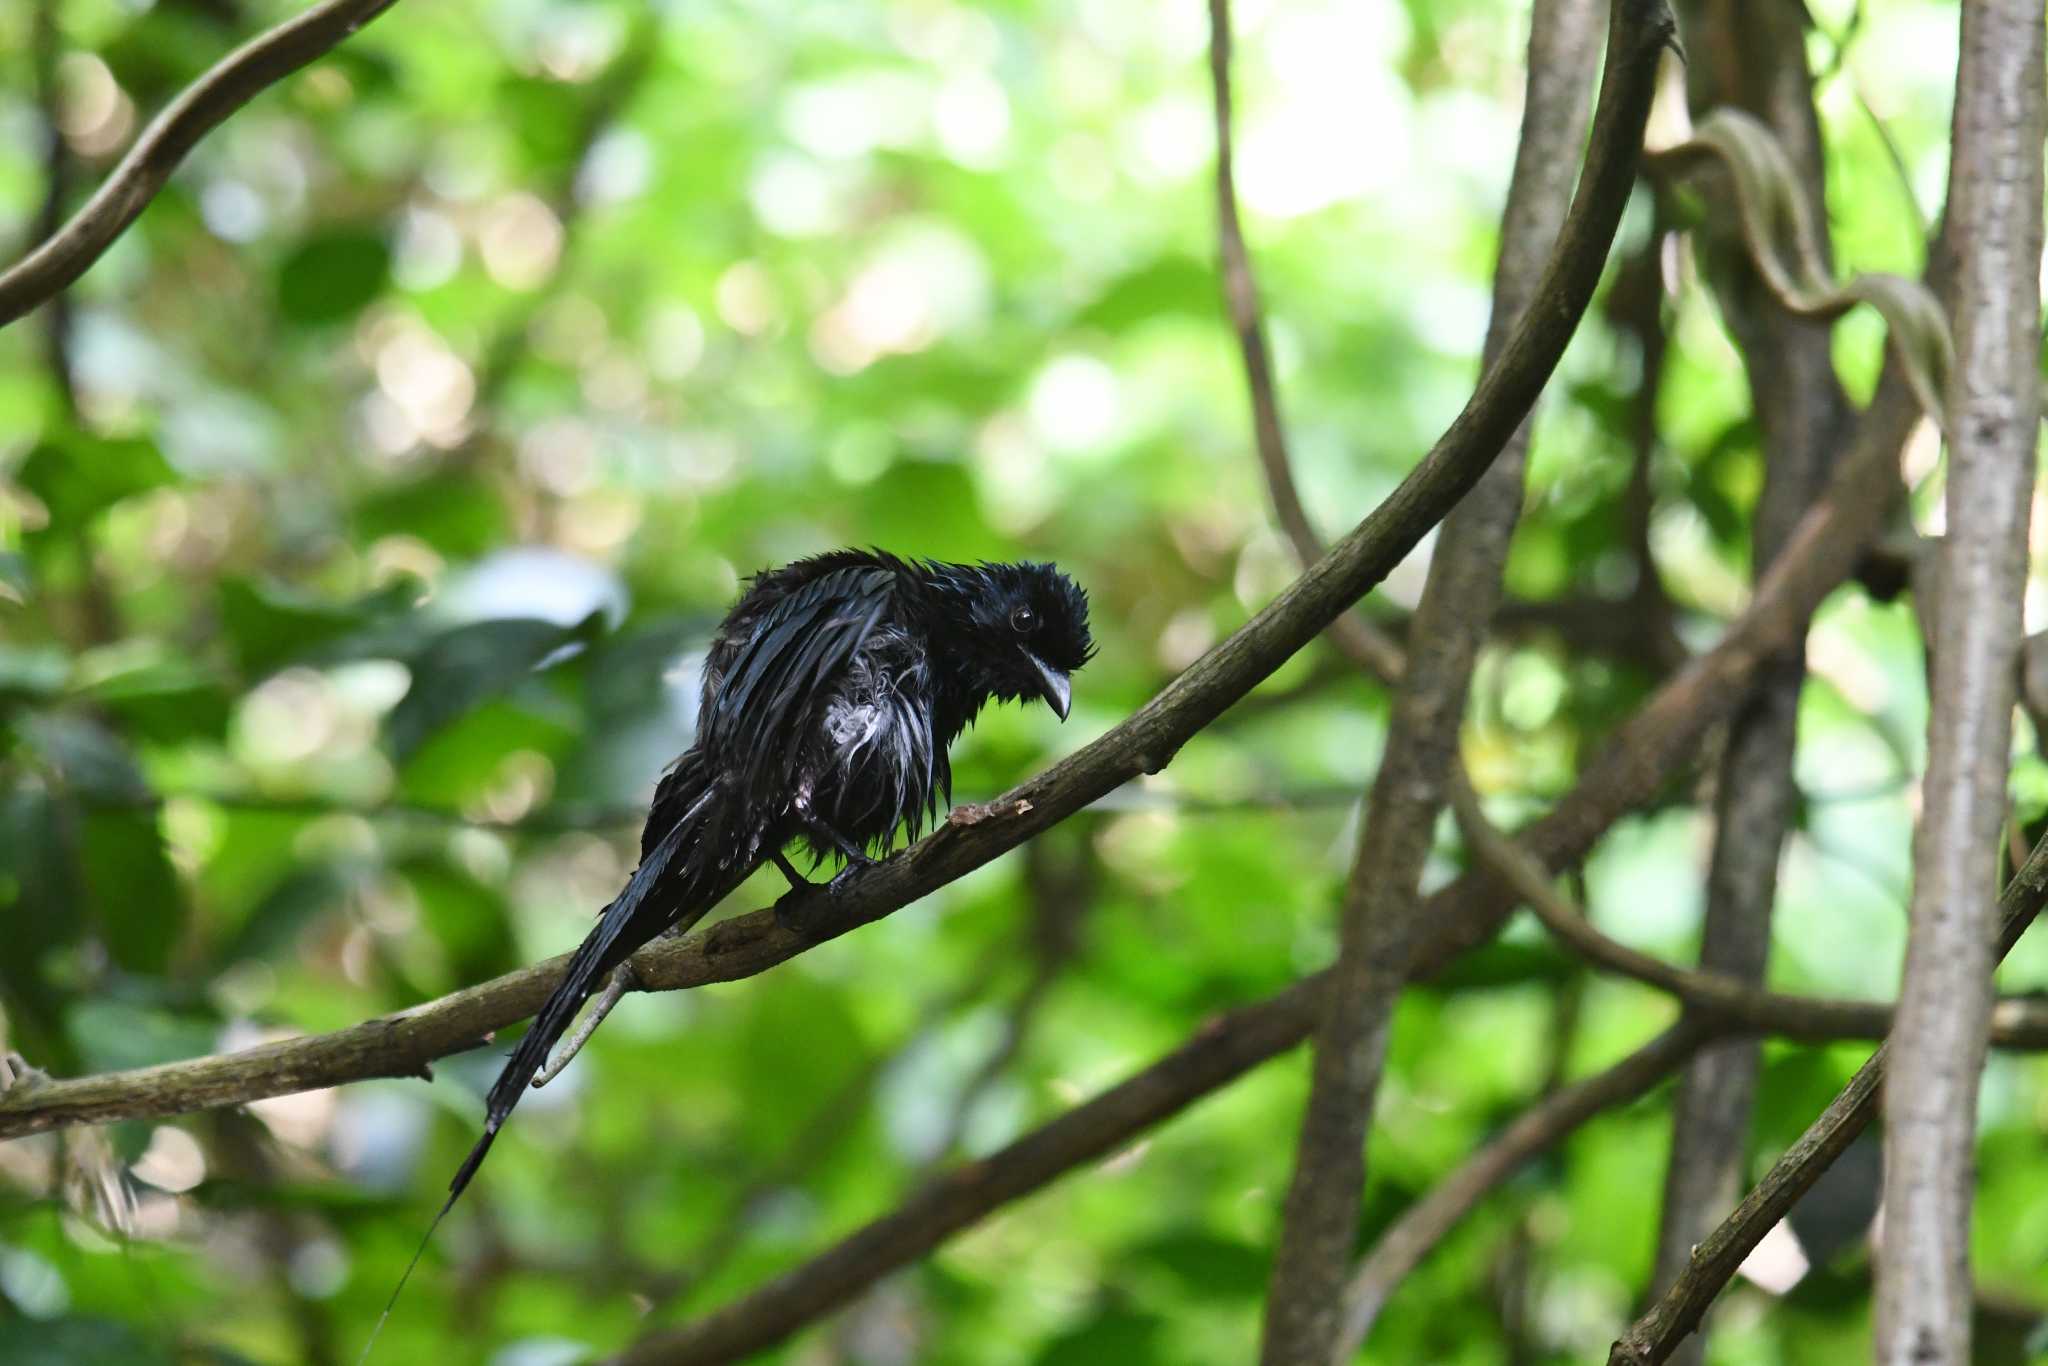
column 830, row 694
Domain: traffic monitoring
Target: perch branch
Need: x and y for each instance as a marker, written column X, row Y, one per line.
column 402, row 1044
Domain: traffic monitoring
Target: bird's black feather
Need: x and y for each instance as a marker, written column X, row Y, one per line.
column 830, row 694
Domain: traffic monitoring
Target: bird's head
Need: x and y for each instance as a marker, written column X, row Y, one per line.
column 1023, row 628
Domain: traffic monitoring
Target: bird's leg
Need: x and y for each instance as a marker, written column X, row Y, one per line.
column 623, row 980
column 797, row 881
column 856, row 857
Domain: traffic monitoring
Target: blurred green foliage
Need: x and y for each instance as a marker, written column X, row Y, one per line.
column 352, row 566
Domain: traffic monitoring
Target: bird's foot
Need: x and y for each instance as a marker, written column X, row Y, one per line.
column 801, row 911
column 838, row 882
column 808, row 909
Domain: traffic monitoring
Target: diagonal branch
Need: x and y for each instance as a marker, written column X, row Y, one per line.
column 1219, row 1053
column 198, row 110
column 403, row 1044
column 1429, row 1220
column 1677, row 1313
column 1380, row 915
column 1222, row 1050
column 1734, row 1004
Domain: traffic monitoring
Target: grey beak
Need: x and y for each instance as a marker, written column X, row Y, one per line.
column 1053, row 686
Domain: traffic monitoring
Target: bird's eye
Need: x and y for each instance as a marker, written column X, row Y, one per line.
column 1023, row 619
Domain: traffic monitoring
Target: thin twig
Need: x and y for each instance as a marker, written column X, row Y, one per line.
column 231, row 83
column 1429, row 1220
column 1735, row 1004
column 1358, row 639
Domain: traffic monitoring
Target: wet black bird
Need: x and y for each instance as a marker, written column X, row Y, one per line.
column 830, row 695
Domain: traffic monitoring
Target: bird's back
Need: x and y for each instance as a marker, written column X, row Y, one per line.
column 817, row 688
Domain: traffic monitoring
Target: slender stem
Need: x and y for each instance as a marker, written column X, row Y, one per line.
column 1923, row 1296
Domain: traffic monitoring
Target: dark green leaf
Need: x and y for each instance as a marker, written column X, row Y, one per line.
column 136, row 895
column 332, row 275
column 271, row 626
column 473, row 663
column 1210, row 1266
column 76, row 1342
column 113, row 1034
column 1116, row 1337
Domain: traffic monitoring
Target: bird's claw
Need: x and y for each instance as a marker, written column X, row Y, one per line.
column 800, row 911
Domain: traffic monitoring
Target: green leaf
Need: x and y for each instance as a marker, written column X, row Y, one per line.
column 332, row 275
column 1116, row 1337
column 39, row 904
column 113, row 1035
column 85, row 757
column 473, row 663
column 17, row 582
column 76, row 477
column 135, row 893
column 1171, row 284
column 1210, row 1266
column 455, row 514
column 77, row 1342
column 165, row 701
column 270, row 626
column 299, row 899
column 470, row 919
column 32, row 672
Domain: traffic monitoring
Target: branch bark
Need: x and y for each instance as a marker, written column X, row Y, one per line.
column 1736, row 1004
column 1994, row 217
column 1222, row 1051
column 1653, row 1337
column 1380, row 919
column 1637, row 762
column 1430, row 1220
column 1753, row 57
column 231, row 83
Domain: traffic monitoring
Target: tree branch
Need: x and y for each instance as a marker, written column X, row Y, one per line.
column 1733, row 1003
column 1652, row 1337
column 1994, row 225
column 1219, row 1053
column 1379, row 918
column 1801, row 413
column 1647, row 750
column 1358, row 639
column 1640, row 759
column 403, row 1044
column 1430, row 1220
column 231, row 83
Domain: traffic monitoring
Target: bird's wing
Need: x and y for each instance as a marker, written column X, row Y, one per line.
column 787, row 666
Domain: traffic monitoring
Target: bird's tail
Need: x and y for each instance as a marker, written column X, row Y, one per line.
column 681, row 876
column 686, row 864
